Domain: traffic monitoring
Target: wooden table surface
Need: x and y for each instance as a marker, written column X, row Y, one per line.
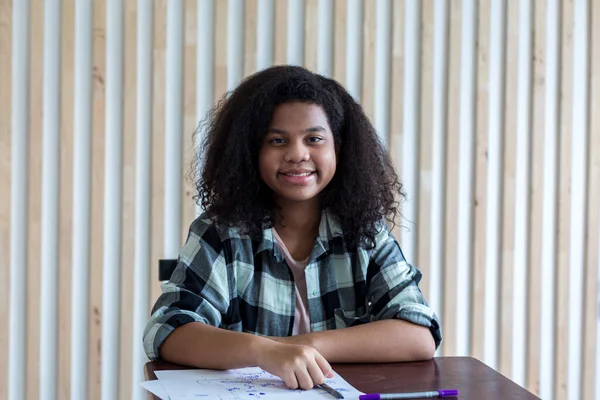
column 472, row 378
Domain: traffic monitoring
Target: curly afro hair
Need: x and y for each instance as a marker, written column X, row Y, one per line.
column 364, row 189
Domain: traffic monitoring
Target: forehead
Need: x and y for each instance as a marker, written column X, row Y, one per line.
column 298, row 114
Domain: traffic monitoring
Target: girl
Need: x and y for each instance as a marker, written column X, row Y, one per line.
column 292, row 266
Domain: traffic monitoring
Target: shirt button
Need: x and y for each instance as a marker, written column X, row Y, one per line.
column 315, row 292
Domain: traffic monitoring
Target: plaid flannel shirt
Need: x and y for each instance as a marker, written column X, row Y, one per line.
column 226, row 279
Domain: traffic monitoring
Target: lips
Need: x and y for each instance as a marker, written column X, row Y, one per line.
column 299, row 177
column 296, row 172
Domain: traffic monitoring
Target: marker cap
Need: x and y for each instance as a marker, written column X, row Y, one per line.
column 374, row 396
column 448, row 393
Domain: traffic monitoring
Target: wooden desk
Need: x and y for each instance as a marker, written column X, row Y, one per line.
column 471, row 377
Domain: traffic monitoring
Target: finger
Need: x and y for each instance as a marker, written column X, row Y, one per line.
column 324, row 366
column 290, row 380
column 304, row 380
column 315, row 372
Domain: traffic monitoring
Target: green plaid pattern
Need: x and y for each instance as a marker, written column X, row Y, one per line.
column 229, row 280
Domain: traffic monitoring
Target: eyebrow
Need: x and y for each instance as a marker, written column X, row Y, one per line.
column 313, row 129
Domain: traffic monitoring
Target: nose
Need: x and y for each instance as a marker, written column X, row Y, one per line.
column 296, row 152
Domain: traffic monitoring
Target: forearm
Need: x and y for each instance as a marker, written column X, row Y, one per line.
column 203, row 346
column 380, row 341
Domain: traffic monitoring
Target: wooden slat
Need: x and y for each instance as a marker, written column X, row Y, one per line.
column 537, row 145
column 591, row 348
column 368, row 57
column 128, row 197
column 35, row 172
column 480, row 177
column 311, row 35
column 205, row 73
column 562, row 274
column 505, row 300
column 593, row 231
column 424, row 169
column 534, row 287
column 158, row 156
column 280, row 53
column 339, row 42
column 250, row 24
column 395, row 138
column 99, row 79
column 220, row 49
column 383, row 71
column 188, row 209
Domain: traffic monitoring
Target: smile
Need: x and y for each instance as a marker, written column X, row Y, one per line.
column 301, row 174
column 299, row 178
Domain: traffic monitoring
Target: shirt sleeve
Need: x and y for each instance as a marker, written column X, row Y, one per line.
column 197, row 291
column 392, row 287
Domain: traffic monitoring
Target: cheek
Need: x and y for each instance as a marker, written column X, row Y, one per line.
column 328, row 161
column 265, row 164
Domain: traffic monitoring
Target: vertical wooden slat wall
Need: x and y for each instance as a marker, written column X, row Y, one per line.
column 539, row 96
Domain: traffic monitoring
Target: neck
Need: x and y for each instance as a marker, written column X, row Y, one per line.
column 294, row 216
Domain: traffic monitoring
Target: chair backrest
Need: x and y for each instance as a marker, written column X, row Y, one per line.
column 166, row 268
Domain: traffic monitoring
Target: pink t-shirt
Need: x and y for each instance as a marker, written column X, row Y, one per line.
column 301, row 317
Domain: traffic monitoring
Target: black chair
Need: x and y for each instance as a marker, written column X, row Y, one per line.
column 166, row 268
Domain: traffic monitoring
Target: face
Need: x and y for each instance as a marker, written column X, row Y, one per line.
column 297, row 158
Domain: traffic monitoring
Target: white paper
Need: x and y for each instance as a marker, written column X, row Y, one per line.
column 156, row 388
column 242, row 384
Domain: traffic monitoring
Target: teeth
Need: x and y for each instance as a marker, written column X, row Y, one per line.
column 303, row 174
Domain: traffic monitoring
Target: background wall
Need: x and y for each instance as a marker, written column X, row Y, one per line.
column 511, row 288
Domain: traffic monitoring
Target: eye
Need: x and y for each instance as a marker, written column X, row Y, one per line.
column 315, row 139
column 277, row 141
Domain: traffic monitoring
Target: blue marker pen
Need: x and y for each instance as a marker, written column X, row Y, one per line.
column 413, row 395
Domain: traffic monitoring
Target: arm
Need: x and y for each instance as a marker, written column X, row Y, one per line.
column 197, row 292
column 402, row 327
column 379, row 341
column 184, row 324
column 203, row 346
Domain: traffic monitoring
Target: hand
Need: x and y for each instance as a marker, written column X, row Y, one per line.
column 297, row 365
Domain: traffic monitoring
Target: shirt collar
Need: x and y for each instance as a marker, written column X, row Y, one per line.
column 329, row 227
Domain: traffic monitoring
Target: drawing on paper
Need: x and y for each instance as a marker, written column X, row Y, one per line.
column 241, row 384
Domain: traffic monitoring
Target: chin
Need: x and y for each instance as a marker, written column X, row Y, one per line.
column 298, row 198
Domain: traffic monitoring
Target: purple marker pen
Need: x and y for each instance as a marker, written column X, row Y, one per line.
column 411, row 395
